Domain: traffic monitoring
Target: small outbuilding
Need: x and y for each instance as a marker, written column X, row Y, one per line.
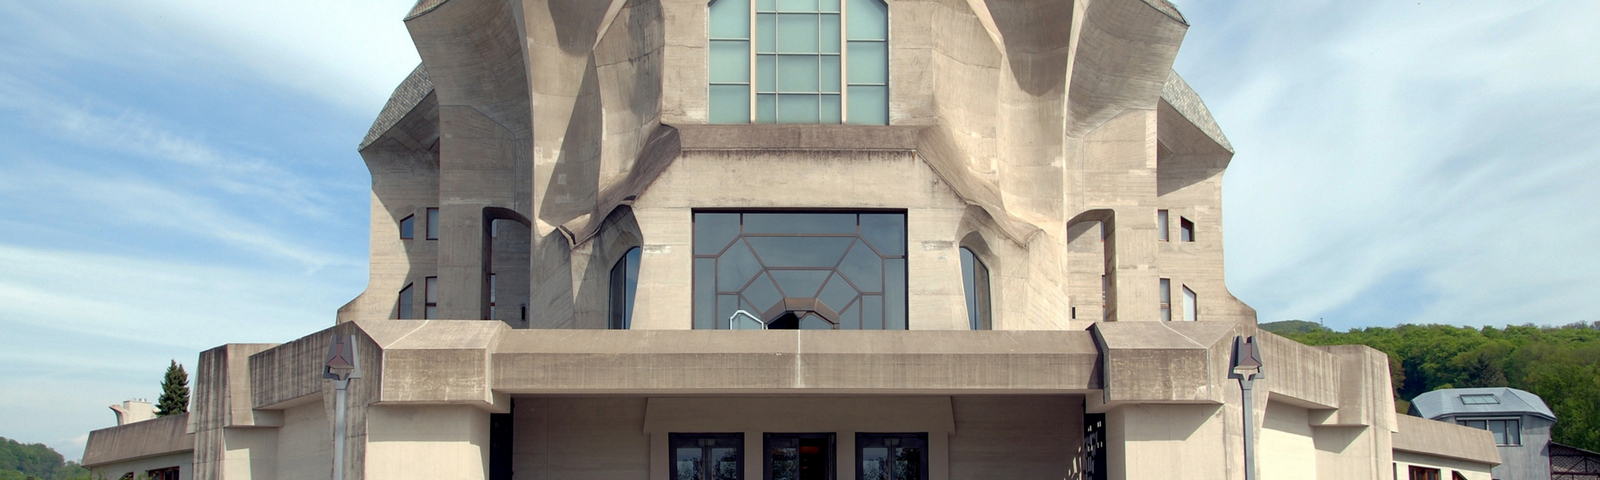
column 1519, row 422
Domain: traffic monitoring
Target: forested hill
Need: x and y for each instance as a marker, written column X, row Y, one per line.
column 1560, row 364
column 20, row 461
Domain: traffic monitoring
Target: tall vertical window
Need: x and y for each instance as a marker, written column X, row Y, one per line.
column 975, row 278
column 811, row 59
column 405, row 303
column 1161, row 225
column 430, row 297
column 408, row 227
column 1185, row 230
column 624, row 284
column 892, row 456
column 707, row 456
column 491, row 297
column 1191, row 305
column 1166, row 300
column 433, row 223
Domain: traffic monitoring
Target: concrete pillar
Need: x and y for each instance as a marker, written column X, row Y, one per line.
column 427, row 442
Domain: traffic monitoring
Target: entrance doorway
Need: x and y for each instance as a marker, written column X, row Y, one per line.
column 799, row 456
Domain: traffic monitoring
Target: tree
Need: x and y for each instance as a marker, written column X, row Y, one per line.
column 174, row 392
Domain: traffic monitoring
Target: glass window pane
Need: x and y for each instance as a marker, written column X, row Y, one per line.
column 875, row 463
column 1166, row 291
column 766, row 5
column 814, row 322
column 851, row 318
column 985, row 311
column 735, row 268
column 827, row 223
column 885, row 231
column 767, row 74
column 405, row 303
column 714, row 231
column 828, row 111
column 762, row 294
column 730, row 61
column 688, row 467
column 830, row 74
column 766, row 32
column 797, row 5
column 799, row 251
column 908, row 463
column 969, row 285
column 829, row 35
column 785, row 463
column 864, row 268
column 431, row 287
column 766, row 108
column 726, row 466
column 829, row 5
column 730, row 104
column 872, row 312
column 1498, row 428
column 430, row 312
column 894, row 294
column 730, row 19
column 800, row 283
column 705, row 293
column 433, row 224
column 869, row 20
column 837, row 293
column 1514, row 432
column 869, row 63
column 406, row 227
column 797, row 109
column 797, row 74
column 1191, row 305
column 797, row 33
column 726, row 306
column 869, row 105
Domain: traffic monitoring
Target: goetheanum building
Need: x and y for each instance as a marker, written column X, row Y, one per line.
column 795, row 239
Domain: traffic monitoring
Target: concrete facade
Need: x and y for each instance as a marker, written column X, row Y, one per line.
column 552, row 137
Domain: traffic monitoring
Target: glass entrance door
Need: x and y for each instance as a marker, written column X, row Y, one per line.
column 799, row 456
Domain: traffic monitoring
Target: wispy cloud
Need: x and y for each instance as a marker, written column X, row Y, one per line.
column 1406, row 162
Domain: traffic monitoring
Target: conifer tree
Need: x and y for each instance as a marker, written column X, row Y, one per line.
column 174, row 392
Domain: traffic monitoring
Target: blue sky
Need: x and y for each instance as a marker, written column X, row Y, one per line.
column 181, row 174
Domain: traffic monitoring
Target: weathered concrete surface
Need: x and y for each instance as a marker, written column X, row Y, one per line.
column 1447, row 440
column 150, row 438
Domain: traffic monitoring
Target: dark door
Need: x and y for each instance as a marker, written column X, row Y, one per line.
column 799, row 456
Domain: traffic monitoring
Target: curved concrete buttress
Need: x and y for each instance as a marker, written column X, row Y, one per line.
column 1125, row 50
column 1032, row 94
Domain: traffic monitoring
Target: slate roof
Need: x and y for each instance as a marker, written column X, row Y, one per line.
column 405, row 97
column 1183, row 99
column 1447, row 402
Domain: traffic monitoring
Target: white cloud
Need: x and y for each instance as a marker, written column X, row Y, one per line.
column 1406, row 162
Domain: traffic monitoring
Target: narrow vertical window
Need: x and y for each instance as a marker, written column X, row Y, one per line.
column 798, row 61
column 1166, row 300
column 975, row 277
column 868, row 55
column 491, row 297
column 1161, row 225
column 405, row 303
column 430, row 297
column 729, row 32
column 1186, row 230
column 1191, row 305
column 407, row 227
column 433, row 223
column 624, row 284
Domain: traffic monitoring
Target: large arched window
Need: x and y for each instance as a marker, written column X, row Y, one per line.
column 806, row 68
column 624, row 286
column 975, row 277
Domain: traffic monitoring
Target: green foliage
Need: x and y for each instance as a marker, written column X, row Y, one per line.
column 174, row 391
column 19, row 461
column 1559, row 364
column 1286, row 327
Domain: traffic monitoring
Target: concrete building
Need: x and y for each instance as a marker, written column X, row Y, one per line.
column 1519, row 422
column 790, row 239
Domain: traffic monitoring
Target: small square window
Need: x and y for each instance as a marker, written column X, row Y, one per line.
column 433, row 223
column 1186, row 230
column 407, row 227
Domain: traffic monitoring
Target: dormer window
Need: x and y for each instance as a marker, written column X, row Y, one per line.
column 812, row 62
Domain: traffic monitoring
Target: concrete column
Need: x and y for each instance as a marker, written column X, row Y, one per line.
column 1120, row 164
column 427, row 442
column 1166, row 441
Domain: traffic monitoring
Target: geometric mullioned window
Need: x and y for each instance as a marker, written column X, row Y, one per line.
column 799, row 61
column 822, row 271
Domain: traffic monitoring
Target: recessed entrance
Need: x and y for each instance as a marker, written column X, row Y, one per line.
column 799, row 456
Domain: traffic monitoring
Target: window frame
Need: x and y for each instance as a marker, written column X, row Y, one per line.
column 619, row 308
column 405, row 309
column 1512, row 425
column 705, row 442
column 977, row 290
column 1165, row 295
column 767, row 448
column 1417, row 472
column 1191, row 305
column 408, row 227
column 432, row 232
column 430, row 297
column 1162, row 226
column 1186, row 230
column 866, row 440
column 753, row 81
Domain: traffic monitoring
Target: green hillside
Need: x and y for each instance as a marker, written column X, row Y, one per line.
column 19, row 461
column 1560, row 364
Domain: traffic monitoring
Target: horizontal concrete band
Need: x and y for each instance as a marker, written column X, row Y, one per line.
column 1429, row 437
column 137, row 440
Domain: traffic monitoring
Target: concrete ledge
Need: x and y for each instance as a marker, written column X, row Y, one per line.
column 1429, row 437
column 798, row 137
column 137, row 440
column 1165, row 362
column 723, row 361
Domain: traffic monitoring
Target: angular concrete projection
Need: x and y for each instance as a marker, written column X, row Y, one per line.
column 552, row 166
